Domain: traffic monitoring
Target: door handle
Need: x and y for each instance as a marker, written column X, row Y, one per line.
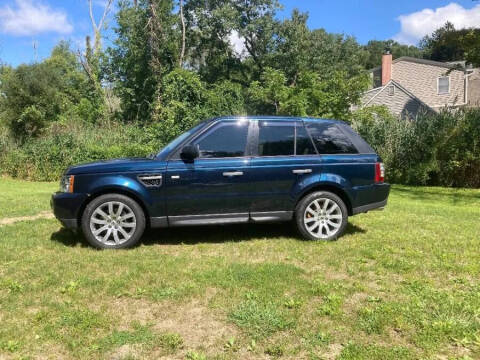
column 234, row 173
column 302, row 171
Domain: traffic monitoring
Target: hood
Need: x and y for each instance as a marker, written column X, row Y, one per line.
column 118, row 165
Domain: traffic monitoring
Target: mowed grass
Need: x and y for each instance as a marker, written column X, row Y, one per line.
column 22, row 198
column 401, row 284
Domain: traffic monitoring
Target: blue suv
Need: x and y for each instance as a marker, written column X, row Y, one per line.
column 229, row 170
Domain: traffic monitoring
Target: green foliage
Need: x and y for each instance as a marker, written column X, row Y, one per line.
column 436, row 149
column 312, row 95
column 43, row 93
column 450, row 44
column 376, row 48
column 47, row 157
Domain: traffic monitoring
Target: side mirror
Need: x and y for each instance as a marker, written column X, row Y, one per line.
column 190, row 152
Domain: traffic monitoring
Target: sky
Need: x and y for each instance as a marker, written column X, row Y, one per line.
column 30, row 28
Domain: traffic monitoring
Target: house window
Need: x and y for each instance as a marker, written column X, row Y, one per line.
column 443, row 85
column 391, row 90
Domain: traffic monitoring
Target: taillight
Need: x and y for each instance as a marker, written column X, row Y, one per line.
column 379, row 172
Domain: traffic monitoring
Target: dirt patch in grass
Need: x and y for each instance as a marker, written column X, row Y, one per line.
column 198, row 326
column 13, row 220
column 123, row 352
column 333, row 351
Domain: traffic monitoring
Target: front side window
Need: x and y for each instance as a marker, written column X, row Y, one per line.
column 276, row 138
column 329, row 139
column 443, row 85
column 225, row 140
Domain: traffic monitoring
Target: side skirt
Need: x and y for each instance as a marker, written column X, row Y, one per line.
column 221, row 219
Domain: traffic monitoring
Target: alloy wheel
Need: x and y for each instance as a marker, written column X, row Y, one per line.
column 113, row 223
column 323, row 218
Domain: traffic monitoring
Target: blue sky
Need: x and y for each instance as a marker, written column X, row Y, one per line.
column 24, row 23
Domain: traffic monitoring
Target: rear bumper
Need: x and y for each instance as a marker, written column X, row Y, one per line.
column 366, row 208
column 377, row 197
column 66, row 208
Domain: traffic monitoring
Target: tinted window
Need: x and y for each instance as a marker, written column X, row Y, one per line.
column 360, row 144
column 329, row 139
column 304, row 143
column 224, row 140
column 276, row 139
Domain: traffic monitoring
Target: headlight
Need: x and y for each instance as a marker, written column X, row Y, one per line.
column 66, row 184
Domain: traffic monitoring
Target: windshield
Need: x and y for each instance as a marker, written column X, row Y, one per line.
column 173, row 144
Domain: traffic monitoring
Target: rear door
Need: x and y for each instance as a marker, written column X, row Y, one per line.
column 346, row 157
column 282, row 155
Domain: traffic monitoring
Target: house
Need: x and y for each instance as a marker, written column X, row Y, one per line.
column 408, row 85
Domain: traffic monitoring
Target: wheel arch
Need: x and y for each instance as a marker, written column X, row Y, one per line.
column 114, row 190
column 335, row 189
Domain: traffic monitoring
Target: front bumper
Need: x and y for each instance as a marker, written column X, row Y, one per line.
column 66, row 208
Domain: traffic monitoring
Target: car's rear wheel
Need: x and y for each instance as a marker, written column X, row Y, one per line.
column 321, row 215
column 113, row 221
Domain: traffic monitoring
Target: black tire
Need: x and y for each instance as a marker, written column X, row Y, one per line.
column 301, row 209
column 137, row 210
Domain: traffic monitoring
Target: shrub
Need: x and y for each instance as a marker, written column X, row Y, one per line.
column 433, row 149
column 47, row 157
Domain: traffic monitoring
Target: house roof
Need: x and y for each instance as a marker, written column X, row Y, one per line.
column 400, row 87
column 453, row 65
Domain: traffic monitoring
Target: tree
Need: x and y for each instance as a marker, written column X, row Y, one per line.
column 471, row 44
column 36, row 95
column 146, row 48
column 444, row 44
column 376, row 49
column 312, row 95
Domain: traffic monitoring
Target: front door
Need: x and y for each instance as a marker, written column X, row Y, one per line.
column 215, row 187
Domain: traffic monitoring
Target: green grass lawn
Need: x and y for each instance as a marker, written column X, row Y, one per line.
column 401, row 284
column 19, row 198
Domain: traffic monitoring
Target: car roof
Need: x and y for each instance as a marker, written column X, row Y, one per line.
column 274, row 118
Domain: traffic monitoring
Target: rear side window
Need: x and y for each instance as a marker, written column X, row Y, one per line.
column 224, row 140
column 276, row 138
column 361, row 145
column 329, row 139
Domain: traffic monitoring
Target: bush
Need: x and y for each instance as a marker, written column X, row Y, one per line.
column 434, row 149
column 46, row 158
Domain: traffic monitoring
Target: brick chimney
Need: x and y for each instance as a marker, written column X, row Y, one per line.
column 386, row 68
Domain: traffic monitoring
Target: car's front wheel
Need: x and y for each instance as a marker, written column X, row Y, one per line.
column 113, row 221
column 321, row 215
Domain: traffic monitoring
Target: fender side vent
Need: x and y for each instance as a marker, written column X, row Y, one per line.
column 151, row 180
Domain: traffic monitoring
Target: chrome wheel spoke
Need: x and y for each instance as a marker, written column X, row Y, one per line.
column 98, row 221
column 105, row 238
column 325, row 204
column 127, row 225
column 101, row 213
column 124, row 233
column 115, row 237
column 100, row 230
column 120, row 209
column 126, row 216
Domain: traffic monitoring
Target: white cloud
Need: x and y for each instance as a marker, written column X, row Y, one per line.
column 237, row 43
column 418, row 24
column 30, row 18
